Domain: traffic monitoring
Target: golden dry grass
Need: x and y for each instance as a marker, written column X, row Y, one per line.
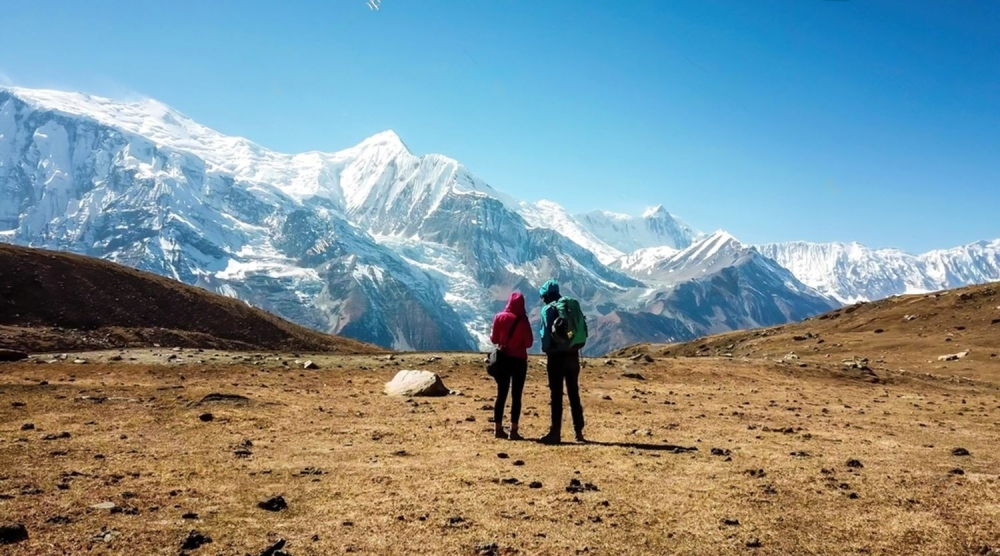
column 395, row 472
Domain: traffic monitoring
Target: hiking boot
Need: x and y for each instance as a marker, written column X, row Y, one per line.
column 579, row 437
column 500, row 433
column 515, row 436
column 550, row 439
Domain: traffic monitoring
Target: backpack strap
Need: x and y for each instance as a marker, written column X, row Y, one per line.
column 513, row 327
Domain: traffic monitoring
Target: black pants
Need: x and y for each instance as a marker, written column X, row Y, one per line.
column 565, row 367
column 511, row 377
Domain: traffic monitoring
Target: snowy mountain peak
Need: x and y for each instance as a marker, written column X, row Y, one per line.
column 655, row 212
column 387, row 139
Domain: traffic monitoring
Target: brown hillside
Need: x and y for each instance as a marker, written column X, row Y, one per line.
column 53, row 301
column 910, row 331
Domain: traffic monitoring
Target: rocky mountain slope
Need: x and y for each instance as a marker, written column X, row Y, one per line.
column 372, row 242
column 53, row 301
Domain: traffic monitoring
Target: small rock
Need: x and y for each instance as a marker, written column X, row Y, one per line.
column 960, row 452
column 753, row 543
column 519, row 463
column 957, row 471
column 310, row 366
column 954, row 356
column 731, row 522
column 58, row 520
column 855, row 464
column 274, row 549
column 503, row 455
column 104, row 506
column 28, row 427
column 634, row 375
column 11, row 534
column 274, row 504
column 59, row 436
column 195, row 540
column 485, row 549
column 206, row 417
column 535, row 484
column 80, row 361
column 190, row 515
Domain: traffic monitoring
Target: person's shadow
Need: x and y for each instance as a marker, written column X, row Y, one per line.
column 672, row 448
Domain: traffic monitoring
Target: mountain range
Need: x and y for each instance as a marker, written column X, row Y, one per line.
column 411, row 252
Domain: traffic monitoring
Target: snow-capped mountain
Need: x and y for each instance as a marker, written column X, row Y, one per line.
column 851, row 272
column 655, row 228
column 373, row 242
column 714, row 285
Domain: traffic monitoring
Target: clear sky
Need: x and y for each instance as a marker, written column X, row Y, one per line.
column 869, row 120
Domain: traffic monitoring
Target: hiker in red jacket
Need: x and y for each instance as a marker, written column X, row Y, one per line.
column 512, row 334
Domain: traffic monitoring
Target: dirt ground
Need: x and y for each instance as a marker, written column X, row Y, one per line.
column 789, row 460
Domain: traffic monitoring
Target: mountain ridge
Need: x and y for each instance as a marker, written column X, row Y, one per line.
column 373, row 241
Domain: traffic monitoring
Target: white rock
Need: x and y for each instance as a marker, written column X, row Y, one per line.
column 416, row 383
column 953, row 356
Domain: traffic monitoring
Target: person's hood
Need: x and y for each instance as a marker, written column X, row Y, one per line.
column 515, row 305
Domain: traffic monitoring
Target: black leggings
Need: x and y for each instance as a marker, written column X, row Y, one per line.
column 512, row 378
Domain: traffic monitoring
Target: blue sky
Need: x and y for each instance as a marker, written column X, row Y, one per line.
column 874, row 121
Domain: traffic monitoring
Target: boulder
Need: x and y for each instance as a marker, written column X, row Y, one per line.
column 416, row 383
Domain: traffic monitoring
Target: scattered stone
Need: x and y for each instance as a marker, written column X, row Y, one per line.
column 753, row 543
column 79, row 361
column 103, row 535
column 12, row 355
column 731, row 522
column 411, row 383
column 59, row 436
column 190, row 515
column 309, row 365
column 518, row 463
column 957, row 471
column 274, row 504
column 104, row 506
column 535, row 484
column 854, row 464
column 879, row 330
column 274, row 549
column 510, row 481
column 503, row 455
column 28, row 427
column 216, row 397
column 206, row 417
column 954, row 356
column 485, row 549
column 11, row 534
column 720, row 452
column 195, row 540
column 17, row 404
column 633, row 374
column 960, row 452
column 853, row 496
column 58, row 520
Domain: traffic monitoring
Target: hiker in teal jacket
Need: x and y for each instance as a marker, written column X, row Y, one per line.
column 562, row 365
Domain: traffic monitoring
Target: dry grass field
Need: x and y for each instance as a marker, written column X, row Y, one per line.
column 789, row 459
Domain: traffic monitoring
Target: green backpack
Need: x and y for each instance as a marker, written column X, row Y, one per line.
column 569, row 329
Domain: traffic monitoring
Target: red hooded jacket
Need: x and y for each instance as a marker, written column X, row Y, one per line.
column 521, row 338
